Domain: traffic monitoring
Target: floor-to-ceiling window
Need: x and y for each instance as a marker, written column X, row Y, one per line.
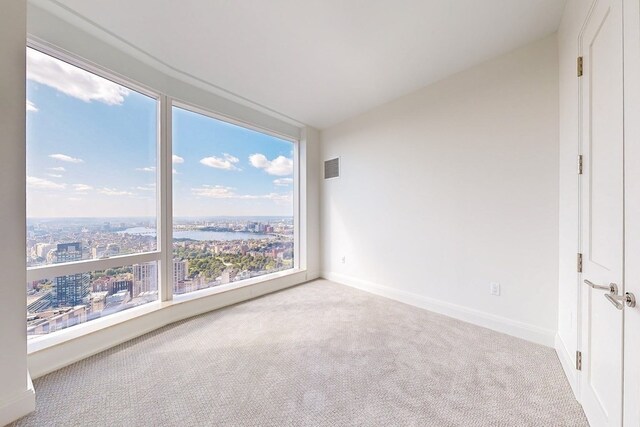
column 91, row 186
column 233, row 202
column 102, row 234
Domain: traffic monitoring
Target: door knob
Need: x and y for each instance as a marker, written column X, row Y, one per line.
column 612, row 288
column 619, row 300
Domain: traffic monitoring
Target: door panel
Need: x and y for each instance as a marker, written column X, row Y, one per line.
column 632, row 209
column 602, row 220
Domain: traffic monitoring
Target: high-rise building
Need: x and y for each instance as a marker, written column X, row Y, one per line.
column 67, row 252
column 40, row 301
column 98, row 301
column 118, row 284
column 145, row 278
column 99, row 251
column 74, row 289
column 113, row 249
column 42, row 249
column 180, row 270
column 228, row 276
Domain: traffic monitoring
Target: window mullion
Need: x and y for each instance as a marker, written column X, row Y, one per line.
column 299, row 253
column 165, row 205
column 85, row 266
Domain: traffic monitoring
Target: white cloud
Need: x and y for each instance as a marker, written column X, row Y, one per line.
column 65, row 158
column 230, row 158
column 58, row 169
column 147, row 169
column 226, row 162
column 214, row 192
column 114, row 192
column 279, row 197
column 177, row 159
column 82, row 187
column 54, row 175
column 31, row 106
column 222, row 192
column 283, row 182
column 149, row 187
column 280, row 166
column 74, row 199
column 71, row 80
column 43, row 184
column 175, row 172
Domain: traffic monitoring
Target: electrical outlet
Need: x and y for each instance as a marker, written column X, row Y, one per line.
column 344, row 259
column 495, row 288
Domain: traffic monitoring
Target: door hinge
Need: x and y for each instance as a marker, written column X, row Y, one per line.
column 580, row 164
column 579, row 360
column 579, row 263
column 580, row 66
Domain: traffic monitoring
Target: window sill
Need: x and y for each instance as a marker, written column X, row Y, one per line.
column 60, row 337
column 202, row 293
column 256, row 286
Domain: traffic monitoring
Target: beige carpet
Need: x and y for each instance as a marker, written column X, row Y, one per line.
column 319, row 354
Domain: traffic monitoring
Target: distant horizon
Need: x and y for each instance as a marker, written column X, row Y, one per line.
column 153, row 217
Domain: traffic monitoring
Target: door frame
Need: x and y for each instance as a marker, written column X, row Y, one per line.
column 581, row 146
column 631, row 320
column 631, row 144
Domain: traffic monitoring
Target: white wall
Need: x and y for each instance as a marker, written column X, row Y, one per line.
column 450, row 188
column 16, row 399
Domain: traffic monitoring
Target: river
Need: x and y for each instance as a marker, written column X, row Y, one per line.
column 201, row 235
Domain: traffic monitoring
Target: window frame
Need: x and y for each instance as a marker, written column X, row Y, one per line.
column 193, row 108
column 163, row 255
column 85, row 266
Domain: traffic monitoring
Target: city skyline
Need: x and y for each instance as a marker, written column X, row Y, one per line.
column 185, row 217
column 207, row 254
column 105, row 164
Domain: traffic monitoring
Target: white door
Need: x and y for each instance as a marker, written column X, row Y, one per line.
column 632, row 209
column 602, row 214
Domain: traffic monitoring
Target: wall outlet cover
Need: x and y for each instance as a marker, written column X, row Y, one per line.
column 495, row 288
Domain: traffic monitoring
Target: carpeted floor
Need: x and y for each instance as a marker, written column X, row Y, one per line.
column 319, row 354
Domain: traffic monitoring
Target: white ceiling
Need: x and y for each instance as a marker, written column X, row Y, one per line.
column 323, row 61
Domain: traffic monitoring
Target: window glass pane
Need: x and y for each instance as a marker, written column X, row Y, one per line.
column 91, row 156
column 64, row 301
column 232, row 202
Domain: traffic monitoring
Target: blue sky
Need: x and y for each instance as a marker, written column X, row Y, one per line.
column 91, row 151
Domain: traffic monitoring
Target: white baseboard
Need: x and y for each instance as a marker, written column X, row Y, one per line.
column 497, row 323
column 312, row 275
column 567, row 360
column 19, row 406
